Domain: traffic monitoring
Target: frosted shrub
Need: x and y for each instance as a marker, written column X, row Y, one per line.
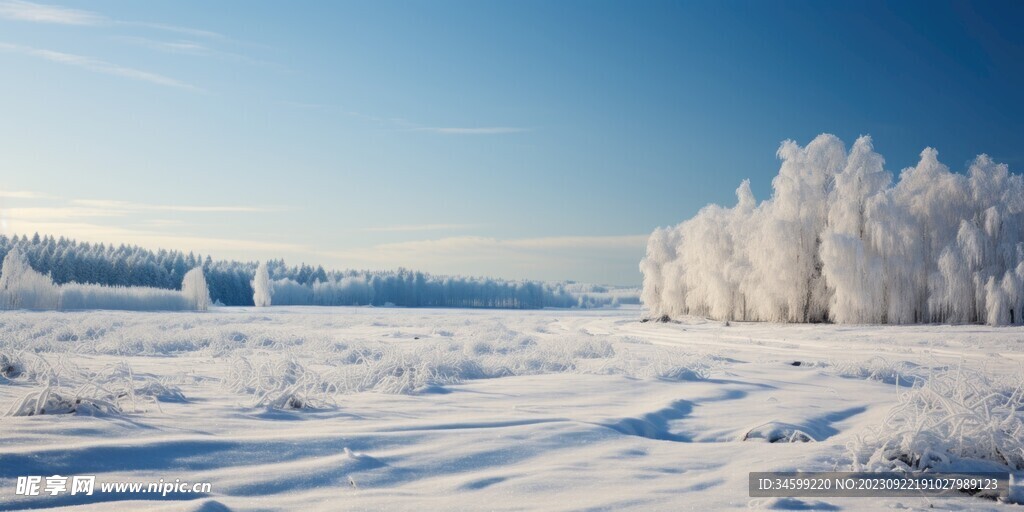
column 415, row 368
column 401, row 371
column 53, row 399
column 359, row 354
column 660, row 364
column 882, row 370
column 121, row 383
column 534, row 361
column 593, row 350
column 279, row 382
column 66, row 389
column 957, row 420
column 160, row 391
column 25, row 367
column 480, row 347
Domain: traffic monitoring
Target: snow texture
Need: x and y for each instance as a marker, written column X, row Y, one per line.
column 839, row 241
column 327, row 408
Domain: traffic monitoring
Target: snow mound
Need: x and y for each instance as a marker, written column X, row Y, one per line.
column 777, row 432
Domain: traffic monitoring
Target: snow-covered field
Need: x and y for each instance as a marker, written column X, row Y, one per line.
column 417, row 409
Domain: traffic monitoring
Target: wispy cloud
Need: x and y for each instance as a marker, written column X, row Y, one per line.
column 448, row 130
column 20, row 10
column 194, row 32
column 608, row 259
column 419, row 227
column 477, row 243
column 182, row 46
column 80, row 208
column 23, row 194
column 550, row 258
column 58, row 212
column 124, row 206
column 581, row 242
column 98, row 66
column 193, row 48
column 28, row 11
column 308, row 106
column 484, row 130
column 402, row 124
column 105, row 233
column 112, row 221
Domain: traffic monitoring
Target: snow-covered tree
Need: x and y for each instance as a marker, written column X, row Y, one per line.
column 261, row 286
column 837, row 241
column 193, row 287
column 21, row 287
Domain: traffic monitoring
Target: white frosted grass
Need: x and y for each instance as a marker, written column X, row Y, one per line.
column 903, row 373
column 839, row 241
column 401, row 370
column 24, row 366
column 271, row 361
column 280, row 379
column 65, row 388
column 955, row 420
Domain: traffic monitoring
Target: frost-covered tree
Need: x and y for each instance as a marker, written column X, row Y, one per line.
column 21, row 287
column 850, row 261
column 837, row 241
column 193, row 287
column 261, row 286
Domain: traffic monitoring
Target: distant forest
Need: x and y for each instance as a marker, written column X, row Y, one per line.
column 230, row 282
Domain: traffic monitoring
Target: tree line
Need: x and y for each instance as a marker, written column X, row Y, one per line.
column 230, row 283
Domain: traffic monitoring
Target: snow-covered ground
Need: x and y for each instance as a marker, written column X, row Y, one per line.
column 415, row 409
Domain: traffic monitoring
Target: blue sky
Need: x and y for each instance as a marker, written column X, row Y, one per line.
column 518, row 139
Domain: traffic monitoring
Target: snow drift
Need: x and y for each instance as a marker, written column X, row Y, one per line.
column 839, row 241
column 21, row 287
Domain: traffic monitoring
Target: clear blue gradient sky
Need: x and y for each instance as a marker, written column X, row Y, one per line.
column 526, row 139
